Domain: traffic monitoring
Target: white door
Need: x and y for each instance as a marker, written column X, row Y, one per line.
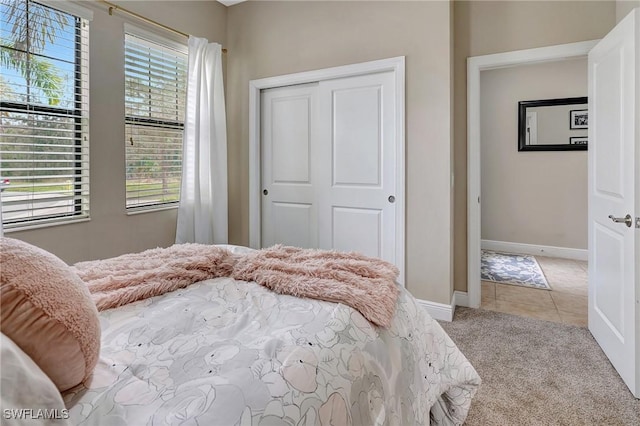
column 289, row 206
column 614, row 172
column 329, row 165
column 357, row 199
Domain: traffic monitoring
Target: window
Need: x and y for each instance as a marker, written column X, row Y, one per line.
column 44, row 110
column 155, row 93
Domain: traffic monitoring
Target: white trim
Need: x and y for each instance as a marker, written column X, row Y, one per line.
column 461, row 298
column 475, row 65
column 45, row 225
column 438, row 311
column 230, row 2
column 536, row 249
column 69, row 7
column 397, row 66
column 132, row 211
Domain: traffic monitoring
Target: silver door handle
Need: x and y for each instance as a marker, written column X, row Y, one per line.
column 627, row 220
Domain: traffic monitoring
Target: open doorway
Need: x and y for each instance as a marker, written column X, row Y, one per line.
column 565, row 301
column 510, row 225
column 534, row 191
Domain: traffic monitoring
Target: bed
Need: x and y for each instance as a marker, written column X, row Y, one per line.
column 230, row 352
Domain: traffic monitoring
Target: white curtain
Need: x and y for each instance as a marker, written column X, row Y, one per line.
column 202, row 216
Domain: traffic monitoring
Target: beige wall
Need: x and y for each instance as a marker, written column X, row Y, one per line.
column 531, row 197
column 111, row 232
column 623, row 7
column 274, row 38
column 482, row 28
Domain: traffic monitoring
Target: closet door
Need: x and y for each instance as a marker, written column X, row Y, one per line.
column 329, row 165
column 288, row 134
column 357, row 176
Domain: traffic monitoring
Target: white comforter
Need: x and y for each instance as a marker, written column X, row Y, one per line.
column 226, row 352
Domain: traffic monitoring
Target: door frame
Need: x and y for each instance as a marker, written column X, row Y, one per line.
column 395, row 65
column 475, row 65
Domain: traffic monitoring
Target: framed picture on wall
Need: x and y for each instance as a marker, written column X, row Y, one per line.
column 578, row 140
column 579, row 119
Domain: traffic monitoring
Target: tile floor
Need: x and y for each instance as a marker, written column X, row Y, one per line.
column 566, row 302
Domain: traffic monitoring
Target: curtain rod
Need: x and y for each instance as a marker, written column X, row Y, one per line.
column 113, row 7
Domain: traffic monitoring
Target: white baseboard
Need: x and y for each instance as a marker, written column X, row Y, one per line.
column 442, row 311
column 550, row 251
column 461, row 298
column 439, row 311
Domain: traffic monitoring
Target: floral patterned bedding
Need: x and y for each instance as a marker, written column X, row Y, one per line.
column 226, row 352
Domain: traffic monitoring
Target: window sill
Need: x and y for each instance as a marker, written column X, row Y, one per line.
column 142, row 210
column 44, row 225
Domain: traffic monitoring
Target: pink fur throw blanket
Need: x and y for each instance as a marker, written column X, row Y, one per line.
column 136, row 276
column 364, row 283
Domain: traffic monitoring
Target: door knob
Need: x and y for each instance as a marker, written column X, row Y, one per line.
column 392, row 199
column 627, row 220
column 265, row 192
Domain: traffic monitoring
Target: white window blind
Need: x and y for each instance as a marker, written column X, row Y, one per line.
column 44, row 114
column 155, row 94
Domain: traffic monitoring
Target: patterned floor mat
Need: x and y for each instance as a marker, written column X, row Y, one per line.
column 516, row 269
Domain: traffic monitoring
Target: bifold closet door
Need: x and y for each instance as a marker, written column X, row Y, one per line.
column 328, row 165
column 288, row 135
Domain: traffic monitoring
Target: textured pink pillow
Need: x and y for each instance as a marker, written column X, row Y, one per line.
column 46, row 309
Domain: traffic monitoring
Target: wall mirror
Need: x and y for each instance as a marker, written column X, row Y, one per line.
column 553, row 125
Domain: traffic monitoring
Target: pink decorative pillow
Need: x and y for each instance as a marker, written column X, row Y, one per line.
column 46, row 309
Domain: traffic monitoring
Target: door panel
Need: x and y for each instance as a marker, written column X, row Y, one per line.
column 609, row 169
column 289, row 207
column 292, row 216
column 291, row 139
column 357, row 230
column 614, row 138
column 357, row 137
column 609, row 290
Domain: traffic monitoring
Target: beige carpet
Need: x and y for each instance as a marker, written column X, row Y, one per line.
column 539, row 373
